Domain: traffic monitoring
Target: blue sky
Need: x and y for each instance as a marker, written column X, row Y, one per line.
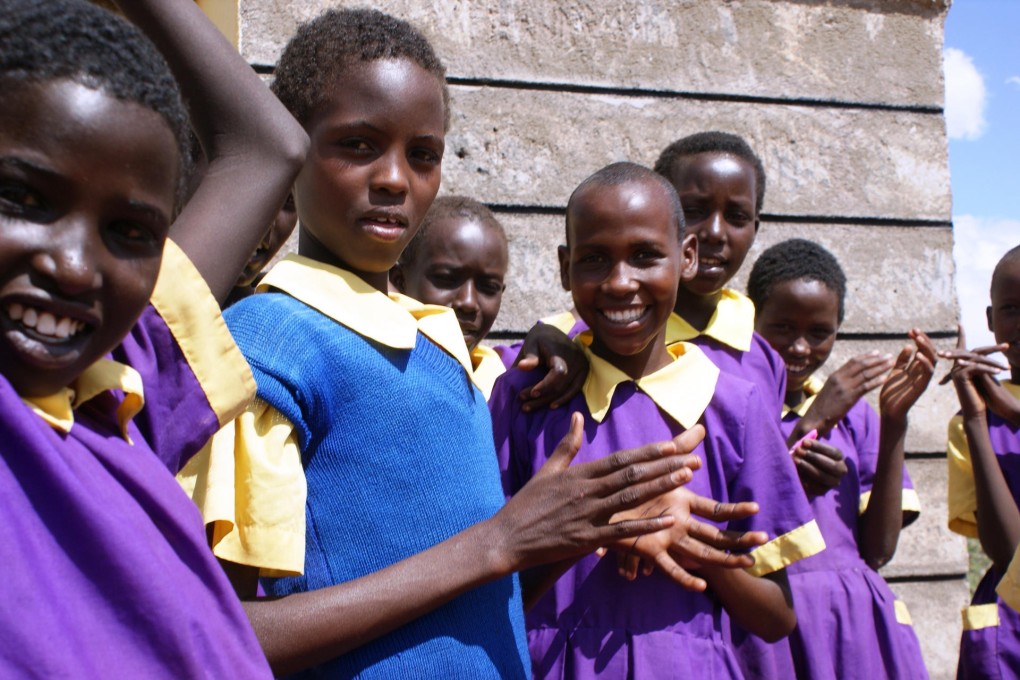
column 982, row 67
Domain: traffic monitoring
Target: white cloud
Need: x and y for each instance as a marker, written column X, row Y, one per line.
column 965, row 96
column 1013, row 80
column 978, row 244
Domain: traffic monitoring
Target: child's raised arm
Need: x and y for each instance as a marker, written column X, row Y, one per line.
column 253, row 146
column 882, row 521
column 998, row 518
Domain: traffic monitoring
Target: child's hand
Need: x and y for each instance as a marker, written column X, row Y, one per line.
column 845, row 387
column 688, row 544
column 970, row 369
column 567, row 511
column 549, row 347
column 820, row 466
column 909, row 377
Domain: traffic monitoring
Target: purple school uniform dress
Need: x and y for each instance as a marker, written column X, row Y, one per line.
column 849, row 623
column 593, row 623
column 990, row 645
column 107, row 571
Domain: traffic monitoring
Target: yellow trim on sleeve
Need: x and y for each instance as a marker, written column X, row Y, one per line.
column 249, row 484
column 902, row 613
column 910, row 502
column 187, row 306
column 962, row 494
column 980, row 616
column 1009, row 587
column 782, row 551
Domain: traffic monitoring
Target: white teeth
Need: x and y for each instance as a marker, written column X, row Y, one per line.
column 624, row 315
column 45, row 323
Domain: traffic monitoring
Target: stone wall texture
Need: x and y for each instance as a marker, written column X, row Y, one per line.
column 841, row 98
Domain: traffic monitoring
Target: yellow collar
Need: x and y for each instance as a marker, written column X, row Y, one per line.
column 488, row 366
column 58, row 409
column 812, row 386
column 682, row 389
column 392, row 320
column 563, row 321
column 732, row 323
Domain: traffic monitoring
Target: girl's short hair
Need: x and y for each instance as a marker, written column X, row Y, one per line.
column 446, row 207
column 791, row 260
column 323, row 48
column 713, row 142
column 46, row 40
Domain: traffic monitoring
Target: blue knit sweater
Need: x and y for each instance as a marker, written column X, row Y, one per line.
column 398, row 454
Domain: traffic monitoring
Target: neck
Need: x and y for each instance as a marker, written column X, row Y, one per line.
column 794, row 397
column 309, row 246
column 649, row 360
column 697, row 310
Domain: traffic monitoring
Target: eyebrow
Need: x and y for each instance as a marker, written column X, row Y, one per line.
column 362, row 123
column 149, row 212
column 28, row 167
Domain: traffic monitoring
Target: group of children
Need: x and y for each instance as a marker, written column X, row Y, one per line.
column 386, row 495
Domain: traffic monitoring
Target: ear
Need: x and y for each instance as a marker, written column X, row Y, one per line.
column 988, row 315
column 688, row 258
column 563, row 252
column 397, row 277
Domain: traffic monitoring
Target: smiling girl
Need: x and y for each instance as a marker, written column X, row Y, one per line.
column 115, row 365
column 626, row 253
column 849, row 623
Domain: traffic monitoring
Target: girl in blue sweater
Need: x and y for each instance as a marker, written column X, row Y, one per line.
column 363, row 480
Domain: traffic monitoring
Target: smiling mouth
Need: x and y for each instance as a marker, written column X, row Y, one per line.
column 711, row 262
column 44, row 325
column 624, row 316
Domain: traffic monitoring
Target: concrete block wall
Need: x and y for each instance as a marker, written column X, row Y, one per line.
column 841, row 98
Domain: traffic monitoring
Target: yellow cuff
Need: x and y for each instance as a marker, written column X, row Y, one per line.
column 980, row 616
column 189, row 309
column 804, row 541
column 910, row 502
column 902, row 613
column 249, row 484
column 1009, row 587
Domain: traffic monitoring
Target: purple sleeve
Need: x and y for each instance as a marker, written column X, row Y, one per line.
column 507, row 420
column 177, row 419
column 767, row 474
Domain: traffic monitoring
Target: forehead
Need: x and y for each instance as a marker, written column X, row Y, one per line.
column 396, row 93
column 620, row 208
column 1006, row 279
column 64, row 126
column 465, row 238
column 800, row 296
column 714, row 167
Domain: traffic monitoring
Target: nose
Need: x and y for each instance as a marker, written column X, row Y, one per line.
column 800, row 347
column 466, row 302
column 390, row 174
column 713, row 229
column 70, row 259
column 620, row 280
